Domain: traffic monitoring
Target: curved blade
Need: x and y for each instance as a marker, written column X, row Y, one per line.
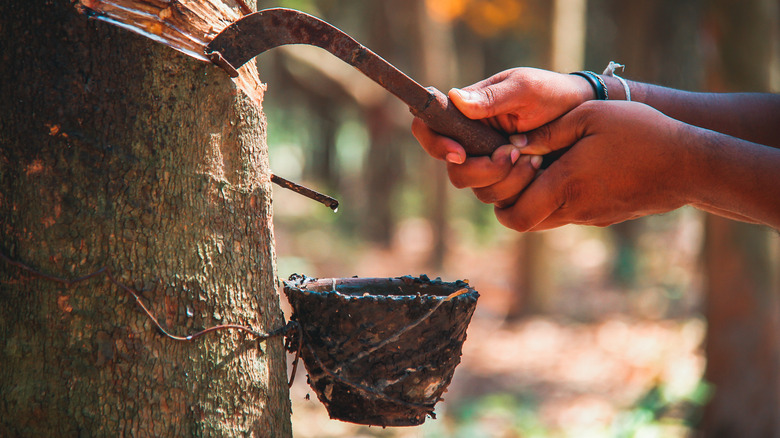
column 269, row 28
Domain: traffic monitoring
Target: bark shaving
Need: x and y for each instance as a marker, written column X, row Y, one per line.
column 184, row 25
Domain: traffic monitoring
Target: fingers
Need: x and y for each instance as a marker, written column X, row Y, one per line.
column 505, row 191
column 538, row 202
column 558, row 134
column 438, row 146
column 483, row 171
column 485, row 101
column 475, row 171
column 496, row 95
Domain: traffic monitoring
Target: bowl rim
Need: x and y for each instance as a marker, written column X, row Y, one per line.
column 424, row 286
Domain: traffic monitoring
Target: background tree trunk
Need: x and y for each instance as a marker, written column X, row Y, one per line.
column 383, row 165
column 742, row 325
column 436, row 60
column 742, row 347
column 116, row 151
column 534, row 292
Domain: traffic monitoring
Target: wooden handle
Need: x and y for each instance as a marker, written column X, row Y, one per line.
column 477, row 138
column 442, row 116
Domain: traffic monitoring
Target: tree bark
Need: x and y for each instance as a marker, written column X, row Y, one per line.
column 742, row 326
column 116, row 151
column 743, row 317
column 383, row 164
column 533, row 292
column 437, row 62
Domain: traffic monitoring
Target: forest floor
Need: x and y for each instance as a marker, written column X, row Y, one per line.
column 546, row 378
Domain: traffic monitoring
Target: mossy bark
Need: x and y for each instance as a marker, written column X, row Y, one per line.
column 116, row 151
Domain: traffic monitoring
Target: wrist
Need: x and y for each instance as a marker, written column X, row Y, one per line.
column 596, row 83
column 606, row 86
column 615, row 88
column 733, row 178
column 705, row 165
column 583, row 91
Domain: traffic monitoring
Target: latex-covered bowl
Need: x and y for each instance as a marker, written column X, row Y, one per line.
column 380, row 351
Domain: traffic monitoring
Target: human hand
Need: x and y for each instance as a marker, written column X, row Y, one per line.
column 504, row 171
column 625, row 160
column 513, row 101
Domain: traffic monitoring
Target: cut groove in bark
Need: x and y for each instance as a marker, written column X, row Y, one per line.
column 184, row 25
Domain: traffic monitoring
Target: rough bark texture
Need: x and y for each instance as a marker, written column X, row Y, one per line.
column 118, row 152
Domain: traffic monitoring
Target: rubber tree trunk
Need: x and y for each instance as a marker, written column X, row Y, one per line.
column 656, row 41
column 383, row 166
column 437, row 63
column 534, row 291
column 742, row 327
column 116, row 151
column 742, row 347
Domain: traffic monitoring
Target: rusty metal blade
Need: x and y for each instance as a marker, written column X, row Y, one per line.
column 263, row 30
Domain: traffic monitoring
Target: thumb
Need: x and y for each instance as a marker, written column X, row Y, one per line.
column 558, row 134
column 491, row 97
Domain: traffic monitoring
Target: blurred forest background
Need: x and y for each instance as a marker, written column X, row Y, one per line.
column 653, row 327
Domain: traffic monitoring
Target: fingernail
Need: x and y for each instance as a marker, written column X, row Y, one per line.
column 519, row 140
column 536, row 161
column 466, row 95
column 454, row 158
column 514, row 155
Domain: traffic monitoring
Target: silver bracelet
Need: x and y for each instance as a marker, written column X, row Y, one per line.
column 610, row 71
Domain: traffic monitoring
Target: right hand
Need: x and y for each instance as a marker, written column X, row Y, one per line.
column 513, row 101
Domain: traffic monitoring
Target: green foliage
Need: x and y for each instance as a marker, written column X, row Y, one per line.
column 302, row 5
column 498, row 414
column 661, row 411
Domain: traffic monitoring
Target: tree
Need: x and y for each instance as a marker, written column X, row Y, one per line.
column 743, row 317
column 383, row 165
column 437, row 63
column 658, row 44
column 118, row 152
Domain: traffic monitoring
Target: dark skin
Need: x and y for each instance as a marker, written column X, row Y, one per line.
column 667, row 148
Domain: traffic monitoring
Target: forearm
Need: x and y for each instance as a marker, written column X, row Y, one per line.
column 750, row 116
column 732, row 177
